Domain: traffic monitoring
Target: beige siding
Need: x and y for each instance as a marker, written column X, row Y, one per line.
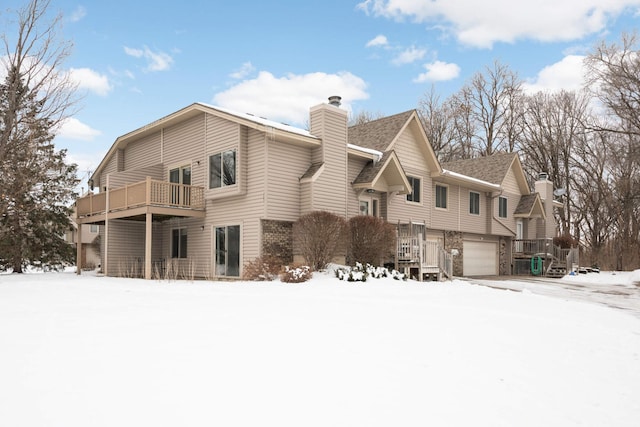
column 198, row 244
column 330, row 189
column 110, row 167
column 306, row 197
column 143, row 152
column 510, row 183
column 126, row 246
column 184, row 146
column 450, row 218
column 120, row 179
column 286, row 163
column 245, row 208
column 355, row 167
column 414, row 164
column 471, row 223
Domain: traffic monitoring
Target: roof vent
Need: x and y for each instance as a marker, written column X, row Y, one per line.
column 335, row 100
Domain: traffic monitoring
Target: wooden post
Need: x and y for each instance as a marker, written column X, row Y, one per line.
column 79, row 248
column 148, row 191
column 147, row 246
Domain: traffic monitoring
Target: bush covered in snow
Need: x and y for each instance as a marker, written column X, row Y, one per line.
column 360, row 273
column 296, row 274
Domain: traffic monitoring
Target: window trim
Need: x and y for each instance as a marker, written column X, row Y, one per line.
column 186, row 242
column 471, row 205
column 411, row 179
column 506, row 207
column 446, row 200
column 181, row 167
column 222, row 153
column 373, row 205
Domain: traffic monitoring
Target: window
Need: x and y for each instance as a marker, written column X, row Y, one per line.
column 228, row 251
column 502, row 207
column 474, row 203
column 441, row 197
column 179, row 243
column 369, row 207
column 414, row 196
column 222, row 169
column 180, row 195
column 94, row 228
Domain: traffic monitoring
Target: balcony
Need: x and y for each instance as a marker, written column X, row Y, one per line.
column 133, row 201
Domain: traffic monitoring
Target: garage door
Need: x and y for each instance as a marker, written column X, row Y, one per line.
column 480, row 258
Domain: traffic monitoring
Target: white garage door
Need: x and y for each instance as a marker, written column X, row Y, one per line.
column 479, row 258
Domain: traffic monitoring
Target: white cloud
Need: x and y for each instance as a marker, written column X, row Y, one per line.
column 91, row 80
column 79, row 13
column 246, row 69
column 483, row 24
column 409, row 56
column 567, row 74
column 156, row 61
column 287, row 99
column 438, row 71
column 378, row 40
column 73, row 128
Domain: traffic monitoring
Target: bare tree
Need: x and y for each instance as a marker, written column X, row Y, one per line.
column 593, row 195
column 438, row 122
column 363, row 117
column 613, row 75
column 37, row 52
column 491, row 100
column 36, row 184
column 553, row 124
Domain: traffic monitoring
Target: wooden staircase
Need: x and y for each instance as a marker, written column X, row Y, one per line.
column 556, row 269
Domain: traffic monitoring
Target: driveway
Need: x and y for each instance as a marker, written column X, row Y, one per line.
column 595, row 288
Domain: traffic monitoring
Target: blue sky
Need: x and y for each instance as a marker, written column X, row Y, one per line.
column 137, row 61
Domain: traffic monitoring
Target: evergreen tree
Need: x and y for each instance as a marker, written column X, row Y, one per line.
column 36, row 185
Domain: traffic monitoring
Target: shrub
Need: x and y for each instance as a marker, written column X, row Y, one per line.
column 361, row 273
column 372, row 239
column 296, row 274
column 319, row 236
column 263, row 268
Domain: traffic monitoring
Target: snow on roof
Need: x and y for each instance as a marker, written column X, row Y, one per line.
column 365, row 150
column 260, row 120
column 469, row 178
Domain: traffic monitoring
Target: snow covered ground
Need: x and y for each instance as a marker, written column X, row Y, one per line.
column 95, row 351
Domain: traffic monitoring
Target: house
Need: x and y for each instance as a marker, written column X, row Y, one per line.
column 205, row 189
column 90, row 243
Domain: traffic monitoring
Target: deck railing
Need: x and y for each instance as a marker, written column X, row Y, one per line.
column 145, row 193
column 414, row 250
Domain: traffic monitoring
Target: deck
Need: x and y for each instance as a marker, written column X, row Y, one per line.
column 134, row 201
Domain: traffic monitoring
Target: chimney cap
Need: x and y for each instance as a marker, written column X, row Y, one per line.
column 543, row 176
column 335, row 100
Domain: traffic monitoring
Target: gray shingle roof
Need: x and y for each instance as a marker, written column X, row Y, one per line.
column 371, row 169
column 492, row 169
column 312, row 170
column 526, row 204
column 378, row 134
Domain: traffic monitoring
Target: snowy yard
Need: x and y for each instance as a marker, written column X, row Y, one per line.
column 95, row 351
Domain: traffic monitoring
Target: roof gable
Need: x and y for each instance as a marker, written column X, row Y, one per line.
column 277, row 130
column 389, row 168
column 493, row 169
column 530, row 206
column 383, row 134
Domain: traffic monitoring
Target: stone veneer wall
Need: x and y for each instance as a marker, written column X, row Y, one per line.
column 504, row 267
column 277, row 239
column 453, row 243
